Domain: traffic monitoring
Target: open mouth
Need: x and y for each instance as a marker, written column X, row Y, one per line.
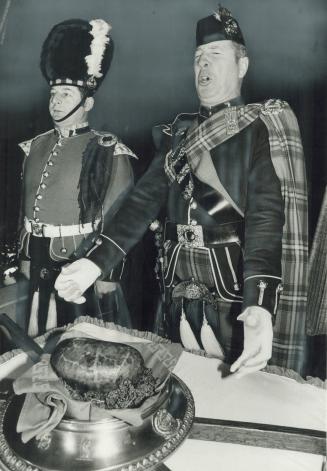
column 204, row 80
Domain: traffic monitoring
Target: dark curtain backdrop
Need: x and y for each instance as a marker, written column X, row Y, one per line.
column 151, row 77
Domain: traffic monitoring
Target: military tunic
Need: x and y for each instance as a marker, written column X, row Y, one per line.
column 52, row 228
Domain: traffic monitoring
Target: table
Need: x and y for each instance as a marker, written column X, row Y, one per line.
column 260, row 398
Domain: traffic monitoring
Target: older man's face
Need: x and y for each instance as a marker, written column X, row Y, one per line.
column 217, row 72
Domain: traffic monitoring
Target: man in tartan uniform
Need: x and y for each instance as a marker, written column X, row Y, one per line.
column 232, row 178
column 74, row 178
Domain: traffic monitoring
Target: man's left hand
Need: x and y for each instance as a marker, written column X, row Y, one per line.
column 75, row 278
column 258, row 335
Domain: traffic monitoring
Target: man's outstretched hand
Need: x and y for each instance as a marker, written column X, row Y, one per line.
column 75, row 278
column 258, row 335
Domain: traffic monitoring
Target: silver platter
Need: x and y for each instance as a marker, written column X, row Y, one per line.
column 108, row 445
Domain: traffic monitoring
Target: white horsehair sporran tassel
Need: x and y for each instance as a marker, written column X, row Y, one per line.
column 186, row 333
column 209, row 340
column 52, row 313
column 33, row 327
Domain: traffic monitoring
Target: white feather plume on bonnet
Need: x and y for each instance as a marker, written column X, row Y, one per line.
column 100, row 30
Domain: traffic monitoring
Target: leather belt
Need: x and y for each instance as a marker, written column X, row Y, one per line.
column 190, row 235
column 40, row 229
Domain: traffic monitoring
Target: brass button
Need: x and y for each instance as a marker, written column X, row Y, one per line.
column 45, row 174
column 194, row 222
column 63, row 250
column 98, row 241
column 36, row 208
column 50, row 163
column 194, row 205
column 39, row 197
column 43, row 186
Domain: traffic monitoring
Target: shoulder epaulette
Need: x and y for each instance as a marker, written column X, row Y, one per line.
column 121, row 149
column 182, row 117
column 182, row 122
column 26, row 145
column 160, row 133
column 162, row 128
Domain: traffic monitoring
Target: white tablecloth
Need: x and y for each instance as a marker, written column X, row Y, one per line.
column 196, row 455
column 259, row 397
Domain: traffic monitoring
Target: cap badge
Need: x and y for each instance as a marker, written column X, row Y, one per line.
column 91, row 82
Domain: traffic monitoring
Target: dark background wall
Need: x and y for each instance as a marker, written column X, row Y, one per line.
column 151, row 78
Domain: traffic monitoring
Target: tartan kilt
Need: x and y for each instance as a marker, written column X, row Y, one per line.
column 211, row 267
column 110, row 307
column 219, row 267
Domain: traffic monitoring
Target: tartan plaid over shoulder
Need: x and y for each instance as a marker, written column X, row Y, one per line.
column 288, row 160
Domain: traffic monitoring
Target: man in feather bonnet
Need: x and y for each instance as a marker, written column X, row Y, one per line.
column 74, row 178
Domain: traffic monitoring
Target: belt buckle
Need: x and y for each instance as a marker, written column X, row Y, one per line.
column 36, row 229
column 190, row 236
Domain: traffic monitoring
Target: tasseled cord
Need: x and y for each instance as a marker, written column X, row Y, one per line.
column 209, row 340
column 187, row 337
column 52, row 313
column 33, row 322
column 33, row 327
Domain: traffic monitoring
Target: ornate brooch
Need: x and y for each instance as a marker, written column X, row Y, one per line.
column 106, row 139
column 273, row 106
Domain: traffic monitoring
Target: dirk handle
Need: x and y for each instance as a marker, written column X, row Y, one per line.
column 20, row 338
column 262, row 285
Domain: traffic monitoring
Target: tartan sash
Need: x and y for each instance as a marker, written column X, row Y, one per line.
column 214, row 131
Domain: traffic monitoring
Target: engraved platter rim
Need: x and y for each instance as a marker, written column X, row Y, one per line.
column 146, row 446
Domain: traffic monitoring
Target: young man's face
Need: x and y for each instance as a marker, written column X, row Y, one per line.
column 218, row 73
column 63, row 99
